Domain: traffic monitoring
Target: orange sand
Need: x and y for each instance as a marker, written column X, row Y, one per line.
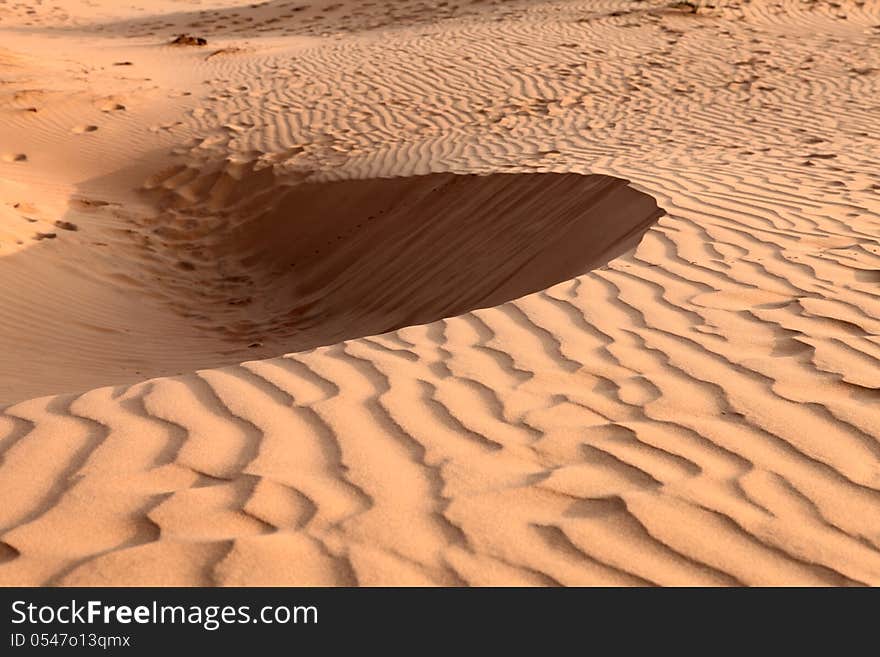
column 260, row 323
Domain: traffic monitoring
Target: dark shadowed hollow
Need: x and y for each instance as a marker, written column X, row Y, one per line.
column 240, row 263
column 323, row 262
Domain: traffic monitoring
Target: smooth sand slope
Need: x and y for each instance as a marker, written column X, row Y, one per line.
column 425, row 207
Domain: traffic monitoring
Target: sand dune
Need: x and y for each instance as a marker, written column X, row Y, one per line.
column 316, row 263
column 263, row 263
column 359, row 293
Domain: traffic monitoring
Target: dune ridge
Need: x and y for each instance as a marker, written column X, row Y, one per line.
column 700, row 410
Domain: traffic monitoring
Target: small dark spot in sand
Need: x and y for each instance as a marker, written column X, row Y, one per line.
column 186, row 266
column 66, row 225
column 254, row 345
column 684, row 7
column 188, row 40
column 91, row 203
column 45, row 236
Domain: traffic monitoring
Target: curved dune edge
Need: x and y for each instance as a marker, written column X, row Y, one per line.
column 258, row 264
column 702, row 410
column 314, row 263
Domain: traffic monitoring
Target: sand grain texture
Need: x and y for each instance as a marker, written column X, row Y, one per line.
column 380, row 294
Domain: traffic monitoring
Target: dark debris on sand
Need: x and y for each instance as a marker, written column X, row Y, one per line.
column 188, row 40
